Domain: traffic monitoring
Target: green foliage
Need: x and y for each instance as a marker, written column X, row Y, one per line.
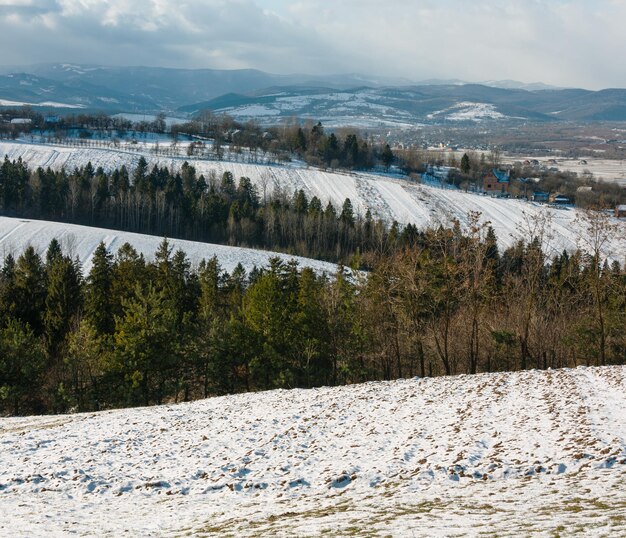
column 22, row 362
column 433, row 302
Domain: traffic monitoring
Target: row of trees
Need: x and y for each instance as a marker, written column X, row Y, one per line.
column 344, row 148
column 137, row 332
column 184, row 205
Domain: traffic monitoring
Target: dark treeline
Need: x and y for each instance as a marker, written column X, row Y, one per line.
column 187, row 206
column 309, row 141
column 134, row 332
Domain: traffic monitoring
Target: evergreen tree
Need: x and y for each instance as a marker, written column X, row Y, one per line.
column 387, row 156
column 63, row 301
column 22, row 362
column 145, row 343
column 99, row 302
column 465, row 164
column 30, row 289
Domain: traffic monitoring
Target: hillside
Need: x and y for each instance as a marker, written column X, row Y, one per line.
column 81, row 241
column 448, row 104
column 508, row 454
column 344, row 99
column 386, row 197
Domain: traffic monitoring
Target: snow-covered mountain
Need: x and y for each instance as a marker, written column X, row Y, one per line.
column 81, row 241
column 539, row 453
column 418, row 104
column 389, row 198
column 249, row 93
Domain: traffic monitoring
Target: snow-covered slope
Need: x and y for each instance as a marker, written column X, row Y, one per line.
column 388, row 198
column 81, row 241
column 539, row 453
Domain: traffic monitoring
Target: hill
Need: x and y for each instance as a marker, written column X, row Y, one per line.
column 443, row 104
column 81, row 241
column 534, row 452
column 389, row 198
column 344, row 99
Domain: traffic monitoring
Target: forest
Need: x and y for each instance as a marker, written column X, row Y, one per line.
column 184, row 205
column 133, row 331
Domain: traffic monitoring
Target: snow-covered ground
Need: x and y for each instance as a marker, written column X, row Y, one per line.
column 81, row 241
column 539, row 453
column 388, row 198
column 53, row 104
column 468, row 111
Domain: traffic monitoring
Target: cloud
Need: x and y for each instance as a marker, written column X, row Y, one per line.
column 564, row 42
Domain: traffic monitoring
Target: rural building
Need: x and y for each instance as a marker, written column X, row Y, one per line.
column 497, row 182
column 559, row 199
column 540, row 196
column 21, row 121
column 620, row 211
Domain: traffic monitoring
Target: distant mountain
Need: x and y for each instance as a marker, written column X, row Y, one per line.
column 516, row 85
column 431, row 104
column 149, row 89
column 336, row 99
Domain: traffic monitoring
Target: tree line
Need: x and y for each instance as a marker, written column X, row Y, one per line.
column 186, row 205
column 133, row 331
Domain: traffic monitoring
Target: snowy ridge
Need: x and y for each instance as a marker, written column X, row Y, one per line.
column 82, row 241
column 387, row 198
column 507, row 454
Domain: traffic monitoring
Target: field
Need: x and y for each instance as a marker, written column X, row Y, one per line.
column 507, row 454
column 81, row 241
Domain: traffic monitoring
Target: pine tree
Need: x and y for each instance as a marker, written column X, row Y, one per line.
column 145, row 344
column 465, row 164
column 99, row 303
column 22, row 362
column 30, row 289
column 387, row 156
column 63, row 302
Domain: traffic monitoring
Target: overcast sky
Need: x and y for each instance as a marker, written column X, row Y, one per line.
column 561, row 42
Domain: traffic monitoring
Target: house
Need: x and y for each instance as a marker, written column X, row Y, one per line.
column 620, row 211
column 559, row 199
column 540, row 196
column 436, row 174
column 21, row 121
column 497, row 182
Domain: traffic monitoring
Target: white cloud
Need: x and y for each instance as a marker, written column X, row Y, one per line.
column 564, row 42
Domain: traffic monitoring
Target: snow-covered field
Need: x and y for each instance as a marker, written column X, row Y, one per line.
column 81, row 241
column 387, row 198
column 539, row 453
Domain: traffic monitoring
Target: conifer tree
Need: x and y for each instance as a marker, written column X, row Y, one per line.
column 22, row 362
column 99, row 302
column 63, row 301
column 30, row 289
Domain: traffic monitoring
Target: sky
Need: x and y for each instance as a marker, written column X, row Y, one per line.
column 571, row 43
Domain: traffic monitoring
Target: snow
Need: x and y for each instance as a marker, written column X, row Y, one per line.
column 388, row 198
column 539, row 453
column 5, row 102
column 52, row 104
column 17, row 234
column 169, row 120
column 253, row 111
column 468, row 111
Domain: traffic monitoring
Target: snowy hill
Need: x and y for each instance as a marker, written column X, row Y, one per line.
column 81, row 241
column 388, row 198
column 530, row 453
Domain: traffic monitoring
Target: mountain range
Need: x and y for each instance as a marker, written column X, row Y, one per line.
column 337, row 99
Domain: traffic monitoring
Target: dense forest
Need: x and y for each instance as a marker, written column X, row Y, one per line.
column 138, row 332
column 187, row 206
